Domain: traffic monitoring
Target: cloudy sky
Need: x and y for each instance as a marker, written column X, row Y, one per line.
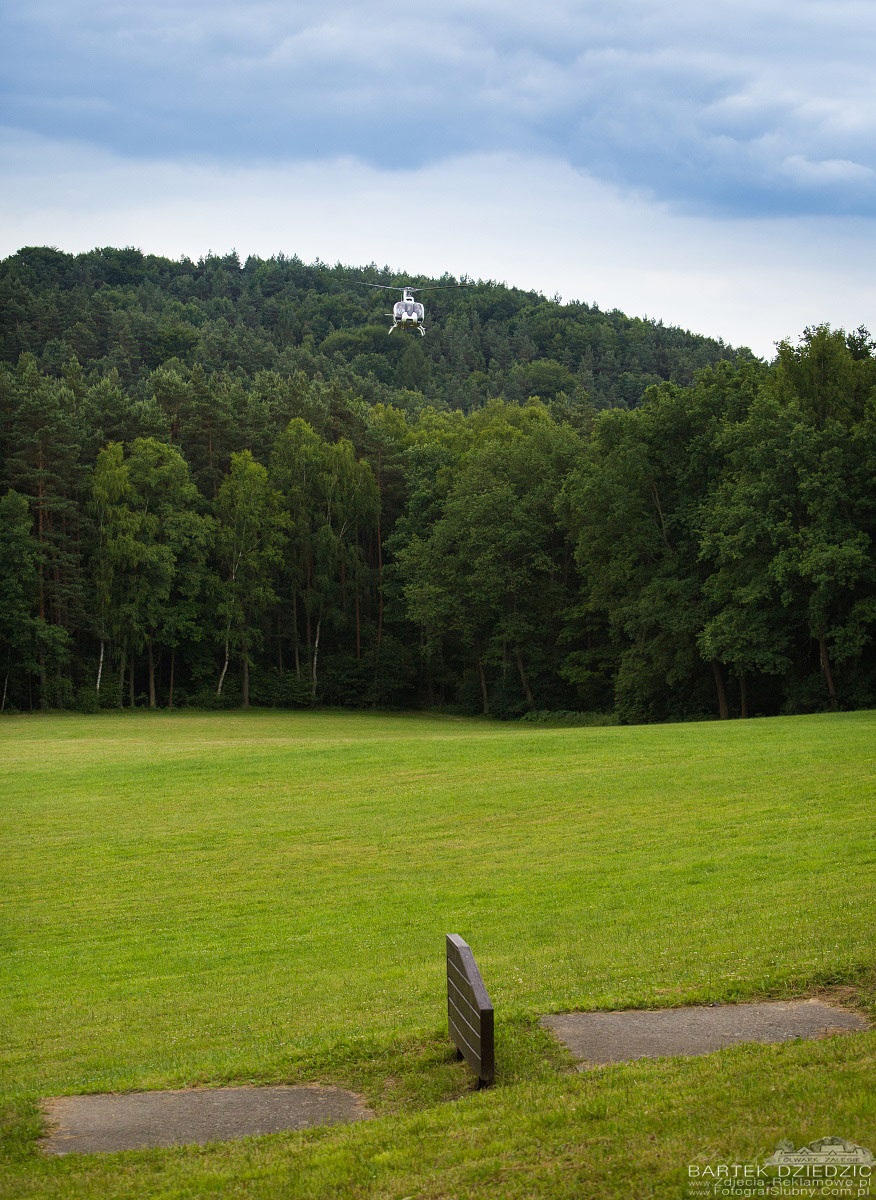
column 710, row 164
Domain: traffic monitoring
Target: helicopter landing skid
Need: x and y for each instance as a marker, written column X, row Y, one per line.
column 419, row 328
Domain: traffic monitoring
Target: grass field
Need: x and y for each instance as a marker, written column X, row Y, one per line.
column 205, row 898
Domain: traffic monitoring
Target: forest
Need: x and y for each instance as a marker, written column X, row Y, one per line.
column 223, row 484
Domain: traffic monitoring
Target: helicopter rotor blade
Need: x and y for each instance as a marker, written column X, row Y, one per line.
column 438, row 287
column 401, row 287
column 387, row 287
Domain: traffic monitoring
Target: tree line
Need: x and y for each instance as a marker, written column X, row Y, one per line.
column 207, row 537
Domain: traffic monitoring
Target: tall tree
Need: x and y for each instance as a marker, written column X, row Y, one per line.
column 490, row 571
column 44, row 464
column 152, row 545
column 634, row 510
column 24, row 636
column 791, row 527
column 330, row 498
column 250, row 534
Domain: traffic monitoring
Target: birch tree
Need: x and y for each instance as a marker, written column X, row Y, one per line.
column 250, row 535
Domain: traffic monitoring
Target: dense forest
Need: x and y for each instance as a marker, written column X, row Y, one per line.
column 223, row 483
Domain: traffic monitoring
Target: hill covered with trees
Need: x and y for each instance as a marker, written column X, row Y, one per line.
column 124, row 311
column 223, row 483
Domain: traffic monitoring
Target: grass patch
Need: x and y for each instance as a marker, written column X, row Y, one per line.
column 210, row 898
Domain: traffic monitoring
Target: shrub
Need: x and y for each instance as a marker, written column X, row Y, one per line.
column 565, row 717
column 87, row 699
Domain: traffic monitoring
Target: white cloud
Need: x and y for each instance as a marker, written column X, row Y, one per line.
column 827, row 171
column 532, row 221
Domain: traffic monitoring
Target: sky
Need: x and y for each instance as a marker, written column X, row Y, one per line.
column 712, row 165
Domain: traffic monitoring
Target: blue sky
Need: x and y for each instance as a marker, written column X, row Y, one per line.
column 627, row 153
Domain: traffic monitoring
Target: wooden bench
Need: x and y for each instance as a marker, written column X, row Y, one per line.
column 469, row 1011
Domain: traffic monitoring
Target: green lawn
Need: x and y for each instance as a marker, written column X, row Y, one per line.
column 208, row 898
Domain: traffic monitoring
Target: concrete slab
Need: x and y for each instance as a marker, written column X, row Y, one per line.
column 136, row 1120
column 606, row 1037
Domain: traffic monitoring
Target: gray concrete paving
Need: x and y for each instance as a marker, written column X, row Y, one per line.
column 606, row 1037
column 136, row 1120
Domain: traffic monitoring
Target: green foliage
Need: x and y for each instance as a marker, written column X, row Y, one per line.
column 150, row 560
column 250, row 533
column 274, row 315
column 488, row 571
column 729, row 525
column 790, row 528
column 231, row 468
column 582, row 720
column 26, row 639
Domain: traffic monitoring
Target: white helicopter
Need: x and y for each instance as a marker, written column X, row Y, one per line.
column 409, row 313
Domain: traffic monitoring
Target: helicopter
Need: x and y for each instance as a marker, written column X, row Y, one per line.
column 408, row 313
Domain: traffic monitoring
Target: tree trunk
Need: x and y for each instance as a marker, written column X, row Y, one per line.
column 122, row 660
column 358, row 625
column 656, row 497
column 379, row 642
column 131, row 700
column 40, row 539
column 99, row 668
column 170, row 685
column 244, row 688
column 723, row 710
column 152, row 703
column 295, row 634
column 43, row 688
column 484, row 693
column 527, row 690
column 743, row 698
column 307, row 604
column 313, row 669
column 59, row 606
column 5, row 686
column 224, row 667
column 825, row 667
column 379, row 589
column 379, row 557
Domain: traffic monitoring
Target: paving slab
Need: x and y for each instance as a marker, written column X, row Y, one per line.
column 606, row 1037
column 137, row 1120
